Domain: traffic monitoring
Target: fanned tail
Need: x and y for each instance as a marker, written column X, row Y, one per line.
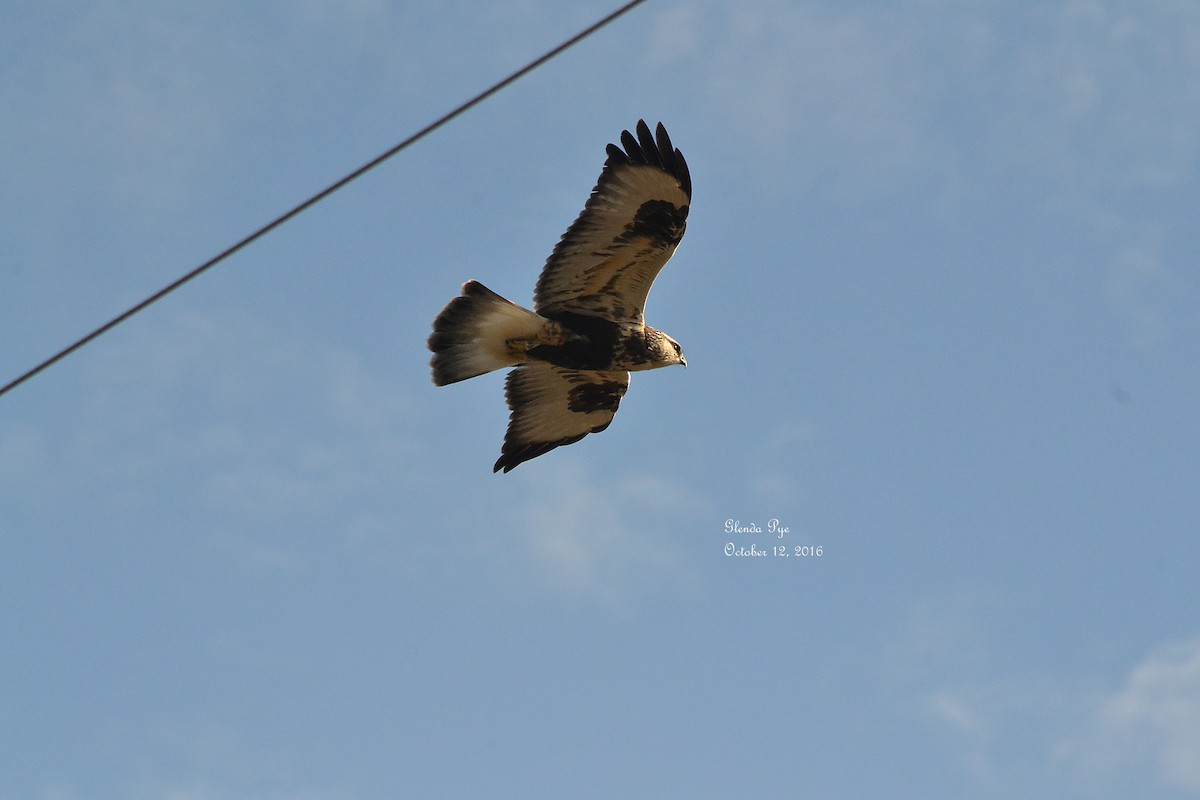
column 472, row 335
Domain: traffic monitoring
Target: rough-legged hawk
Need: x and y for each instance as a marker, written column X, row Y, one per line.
column 574, row 351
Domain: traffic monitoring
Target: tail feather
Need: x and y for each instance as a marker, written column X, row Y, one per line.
column 471, row 336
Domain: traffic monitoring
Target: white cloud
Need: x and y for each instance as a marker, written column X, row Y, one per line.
column 203, row 790
column 146, row 99
column 902, row 98
column 139, row 123
column 969, row 720
column 233, row 427
column 1137, row 285
column 829, row 93
column 956, row 711
column 774, row 481
column 1012, row 727
column 1111, row 92
column 1151, row 726
column 602, row 538
column 1018, row 731
column 677, row 35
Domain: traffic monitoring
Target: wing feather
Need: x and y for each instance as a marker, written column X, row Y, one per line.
column 630, row 226
column 552, row 406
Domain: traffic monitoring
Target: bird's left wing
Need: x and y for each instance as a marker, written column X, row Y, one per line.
column 606, row 261
column 552, row 406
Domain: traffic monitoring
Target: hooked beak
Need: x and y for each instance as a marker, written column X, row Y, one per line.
column 683, row 361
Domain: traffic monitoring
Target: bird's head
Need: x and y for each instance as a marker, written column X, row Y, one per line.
column 664, row 351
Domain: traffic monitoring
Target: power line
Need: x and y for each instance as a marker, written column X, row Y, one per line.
column 319, row 196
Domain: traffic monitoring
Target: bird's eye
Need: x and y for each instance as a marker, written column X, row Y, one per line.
column 677, row 348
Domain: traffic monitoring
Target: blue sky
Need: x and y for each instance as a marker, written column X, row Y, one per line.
column 938, row 296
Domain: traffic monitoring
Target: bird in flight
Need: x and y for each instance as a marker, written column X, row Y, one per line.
column 573, row 353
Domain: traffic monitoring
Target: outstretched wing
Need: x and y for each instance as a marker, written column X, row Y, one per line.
column 605, row 262
column 552, row 406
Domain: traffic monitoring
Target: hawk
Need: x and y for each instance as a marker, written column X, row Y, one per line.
column 573, row 353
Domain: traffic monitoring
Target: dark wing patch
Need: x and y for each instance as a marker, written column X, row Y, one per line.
column 657, row 221
column 552, row 406
column 630, row 226
column 587, row 398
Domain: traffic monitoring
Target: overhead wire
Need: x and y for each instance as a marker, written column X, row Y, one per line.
column 319, row 196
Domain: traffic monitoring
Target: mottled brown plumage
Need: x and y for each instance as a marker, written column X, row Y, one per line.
column 574, row 351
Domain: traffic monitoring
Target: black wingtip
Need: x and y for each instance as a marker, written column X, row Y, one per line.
column 654, row 149
column 512, row 457
column 672, row 159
